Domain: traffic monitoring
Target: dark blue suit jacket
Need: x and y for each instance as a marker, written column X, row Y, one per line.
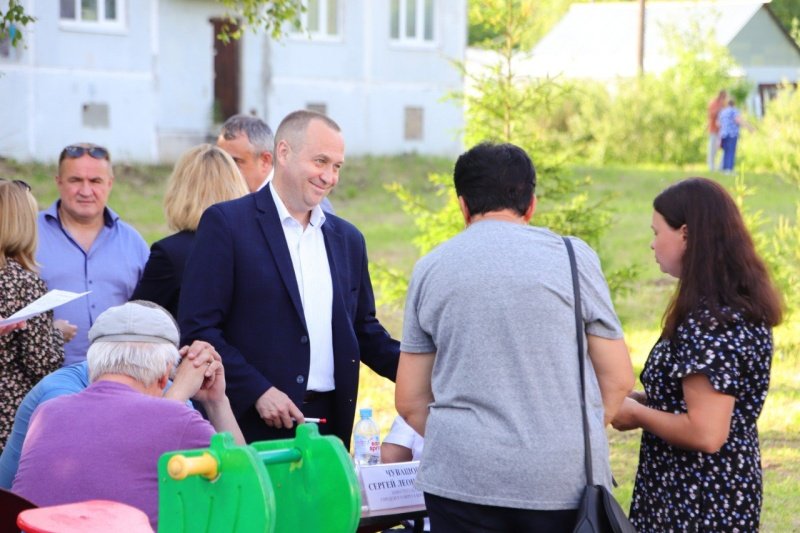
column 240, row 294
column 163, row 273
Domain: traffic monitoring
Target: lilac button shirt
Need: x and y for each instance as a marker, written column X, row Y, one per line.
column 110, row 269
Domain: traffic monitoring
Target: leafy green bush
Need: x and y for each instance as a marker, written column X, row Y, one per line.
column 779, row 248
column 661, row 118
column 774, row 145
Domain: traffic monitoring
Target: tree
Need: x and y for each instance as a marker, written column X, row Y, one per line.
column 538, row 17
column 502, row 105
column 12, row 20
column 267, row 15
column 664, row 113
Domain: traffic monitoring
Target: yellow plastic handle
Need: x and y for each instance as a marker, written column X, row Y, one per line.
column 180, row 466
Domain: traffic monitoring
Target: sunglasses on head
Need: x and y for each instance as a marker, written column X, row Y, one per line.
column 75, row 151
column 21, row 183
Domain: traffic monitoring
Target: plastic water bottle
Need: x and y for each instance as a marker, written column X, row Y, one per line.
column 367, row 440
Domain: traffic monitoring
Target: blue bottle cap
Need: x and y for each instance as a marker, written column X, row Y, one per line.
column 366, row 412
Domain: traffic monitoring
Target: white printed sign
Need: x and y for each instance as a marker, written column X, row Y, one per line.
column 391, row 485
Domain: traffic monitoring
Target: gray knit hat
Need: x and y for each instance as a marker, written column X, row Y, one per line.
column 137, row 321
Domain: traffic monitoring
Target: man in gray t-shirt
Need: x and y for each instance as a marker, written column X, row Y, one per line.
column 489, row 371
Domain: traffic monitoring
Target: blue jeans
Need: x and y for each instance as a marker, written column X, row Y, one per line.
column 728, row 152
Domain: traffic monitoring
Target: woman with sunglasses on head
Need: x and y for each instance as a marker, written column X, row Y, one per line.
column 29, row 353
column 203, row 176
column 707, row 377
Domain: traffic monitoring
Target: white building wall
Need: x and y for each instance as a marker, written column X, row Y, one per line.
column 185, row 75
column 366, row 81
column 66, row 67
column 155, row 75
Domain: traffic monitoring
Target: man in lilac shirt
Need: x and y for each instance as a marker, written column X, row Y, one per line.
column 84, row 246
column 68, row 379
column 104, row 442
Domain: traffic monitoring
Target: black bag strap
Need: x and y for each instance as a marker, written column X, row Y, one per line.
column 576, row 291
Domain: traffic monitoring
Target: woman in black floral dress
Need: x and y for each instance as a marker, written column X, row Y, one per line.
column 707, row 377
column 29, row 353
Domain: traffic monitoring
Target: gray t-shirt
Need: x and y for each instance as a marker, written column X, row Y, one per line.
column 496, row 305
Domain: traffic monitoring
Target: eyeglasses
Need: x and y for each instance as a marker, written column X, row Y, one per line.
column 21, row 183
column 75, row 151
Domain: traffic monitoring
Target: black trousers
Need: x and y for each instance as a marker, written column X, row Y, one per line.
column 452, row 516
column 321, row 405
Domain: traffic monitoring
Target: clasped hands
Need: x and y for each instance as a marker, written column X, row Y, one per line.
column 199, row 376
column 625, row 419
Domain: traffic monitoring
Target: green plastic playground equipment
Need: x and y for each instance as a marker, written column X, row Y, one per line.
column 303, row 484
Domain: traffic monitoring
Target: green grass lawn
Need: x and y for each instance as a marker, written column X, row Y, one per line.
column 361, row 198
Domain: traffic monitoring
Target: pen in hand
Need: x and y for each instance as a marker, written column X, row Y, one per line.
column 314, row 420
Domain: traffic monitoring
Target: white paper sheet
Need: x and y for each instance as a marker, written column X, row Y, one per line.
column 51, row 300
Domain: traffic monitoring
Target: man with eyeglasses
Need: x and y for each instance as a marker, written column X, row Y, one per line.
column 84, row 246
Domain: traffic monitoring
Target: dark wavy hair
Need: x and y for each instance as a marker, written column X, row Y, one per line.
column 720, row 268
column 491, row 177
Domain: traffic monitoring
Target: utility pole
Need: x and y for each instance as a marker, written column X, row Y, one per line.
column 640, row 40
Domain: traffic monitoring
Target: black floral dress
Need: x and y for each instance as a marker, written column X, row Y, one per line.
column 26, row 355
column 681, row 490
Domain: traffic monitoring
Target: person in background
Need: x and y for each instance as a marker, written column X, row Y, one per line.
column 706, row 379
column 29, row 353
column 105, row 441
column 250, row 143
column 489, row 371
column 714, row 107
column 83, row 244
column 203, row 176
column 402, row 443
column 729, row 120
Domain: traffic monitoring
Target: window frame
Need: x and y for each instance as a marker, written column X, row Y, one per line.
column 418, row 40
column 324, row 6
column 101, row 25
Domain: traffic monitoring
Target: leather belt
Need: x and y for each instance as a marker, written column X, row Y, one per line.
column 313, row 395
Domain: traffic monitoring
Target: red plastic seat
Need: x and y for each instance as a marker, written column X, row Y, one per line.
column 94, row 516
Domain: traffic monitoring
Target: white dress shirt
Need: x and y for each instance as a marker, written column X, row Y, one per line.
column 267, row 179
column 313, row 275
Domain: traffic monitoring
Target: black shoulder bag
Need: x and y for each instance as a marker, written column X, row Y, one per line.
column 599, row 512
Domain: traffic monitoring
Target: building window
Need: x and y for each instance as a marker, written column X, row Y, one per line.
column 413, row 123
column 92, row 12
column 317, row 107
column 320, row 18
column 412, row 21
